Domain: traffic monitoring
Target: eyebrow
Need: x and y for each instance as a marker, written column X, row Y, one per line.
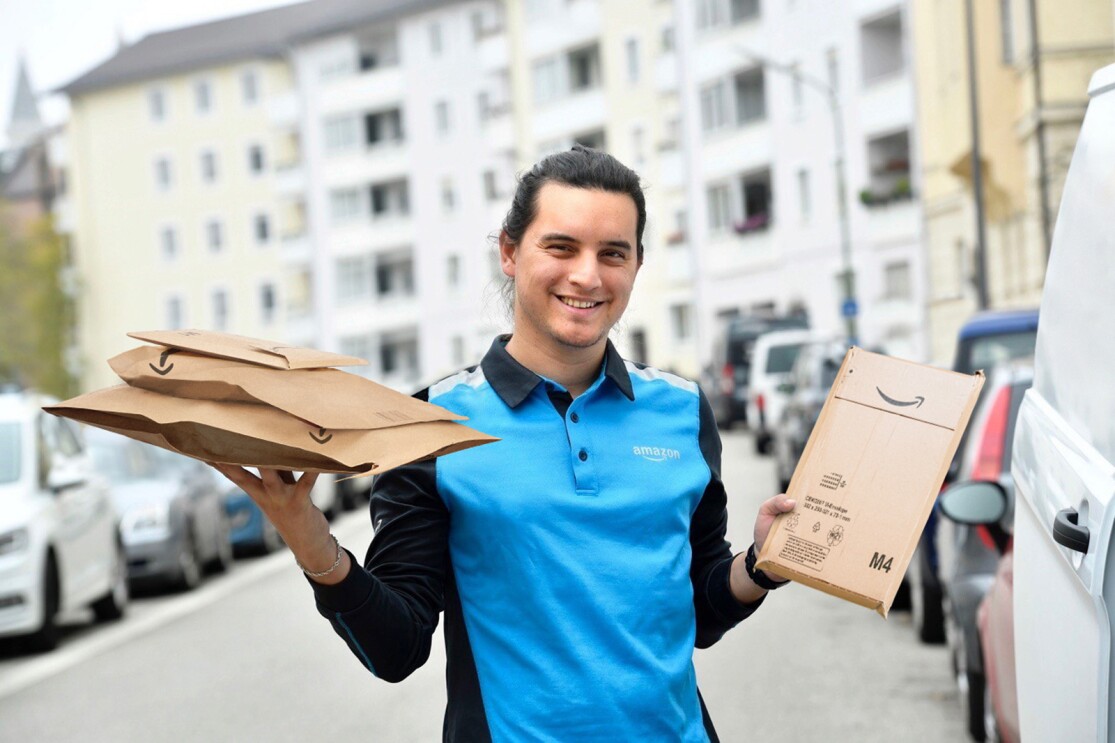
column 561, row 236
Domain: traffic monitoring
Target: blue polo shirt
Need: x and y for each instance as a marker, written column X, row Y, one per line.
column 579, row 560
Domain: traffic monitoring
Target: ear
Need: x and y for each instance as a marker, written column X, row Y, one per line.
column 507, row 254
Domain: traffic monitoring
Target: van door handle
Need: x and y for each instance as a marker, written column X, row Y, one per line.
column 1067, row 533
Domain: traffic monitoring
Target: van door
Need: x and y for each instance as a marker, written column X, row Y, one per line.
column 1064, row 447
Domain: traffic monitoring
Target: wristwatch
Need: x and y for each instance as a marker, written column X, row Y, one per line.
column 758, row 577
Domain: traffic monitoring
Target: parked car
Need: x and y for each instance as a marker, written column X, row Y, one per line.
column 172, row 510
column 772, row 357
column 969, row 553
column 986, row 339
column 726, row 378
column 806, row 388
column 251, row 531
column 60, row 547
column 1064, row 460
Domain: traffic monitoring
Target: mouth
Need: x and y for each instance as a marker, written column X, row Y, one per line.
column 580, row 304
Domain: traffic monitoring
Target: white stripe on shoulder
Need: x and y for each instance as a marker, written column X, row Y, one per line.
column 649, row 374
column 473, row 379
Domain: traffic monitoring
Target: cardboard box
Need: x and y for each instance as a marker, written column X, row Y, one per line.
column 256, row 403
column 869, row 476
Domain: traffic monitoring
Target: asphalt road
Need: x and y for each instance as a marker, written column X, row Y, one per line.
column 246, row 657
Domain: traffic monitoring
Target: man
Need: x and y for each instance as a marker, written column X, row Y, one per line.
column 579, row 559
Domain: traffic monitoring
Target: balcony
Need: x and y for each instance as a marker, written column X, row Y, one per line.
column 377, row 162
column 895, row 222
column 290, row 179
column 671, row 168
column 577, row 23
column 887, row 104
column 493, row 52
column 666, row 73
column 378, row 88
column 499, row 132
column 574, row 113
column 295, row 248
column 283, row 109
column 373, row 234
column 729, row 254
column 679, row 264
column 734, row 150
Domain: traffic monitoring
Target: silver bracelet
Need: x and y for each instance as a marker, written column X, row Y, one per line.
column 333, row 567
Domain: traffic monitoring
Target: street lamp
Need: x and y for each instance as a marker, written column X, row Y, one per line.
column 849, row 307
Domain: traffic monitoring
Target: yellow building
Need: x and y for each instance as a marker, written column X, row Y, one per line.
column 1033, row 62
column 178, row 148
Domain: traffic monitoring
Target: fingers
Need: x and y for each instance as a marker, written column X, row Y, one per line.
column 306, row 483
column 780, row 503
column 237, row 475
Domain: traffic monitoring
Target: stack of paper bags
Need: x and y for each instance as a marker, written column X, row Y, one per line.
column 235, row 400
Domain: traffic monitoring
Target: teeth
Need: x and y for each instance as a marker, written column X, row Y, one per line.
column 579, row 305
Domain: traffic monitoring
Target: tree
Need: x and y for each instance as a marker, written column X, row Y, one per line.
column 36, row 312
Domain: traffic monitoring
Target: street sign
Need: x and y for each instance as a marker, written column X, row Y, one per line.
column 850, row 308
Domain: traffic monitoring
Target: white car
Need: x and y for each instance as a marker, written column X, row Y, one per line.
column 1063, row 461
column 772, row 358
column 60, row 547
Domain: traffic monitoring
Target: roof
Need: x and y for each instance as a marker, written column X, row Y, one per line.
column 1000, row 321
column 25, row 111
column 267, row 33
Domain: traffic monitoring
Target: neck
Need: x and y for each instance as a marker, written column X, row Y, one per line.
column 573, row 368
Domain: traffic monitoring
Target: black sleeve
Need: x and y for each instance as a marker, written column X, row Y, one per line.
column 717, row 609
column 386, row 610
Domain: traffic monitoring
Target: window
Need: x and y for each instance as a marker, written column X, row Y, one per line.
column 742, row 10
column 453, row 270
column 164, row 179
column 797, row 88
column 391, row 199
column 637, row 145
column 888, row 158
column 395, row 275
column 175, row 313
column 354, row 279
column 483, row 106
column 584, row 68
column 344, row 204
column 476, row 21
column 385, row 127
column 710, row 13
column 398, row 354
column 750, row 90
column 203, row 96
column 714, row 13
column 261, row 229
column 681, row 321
column 457, row 344
column 896, row 280
column 214, row 235
column 547, row 82
column 1006, row 30
column 168, row 243
column 713, row 107
column 380, row 49
column 668, row 39
column 448, row 197
column 220, row 309
column 595, row 139
column 267, row 303
column 491, row 188
column 632, row 48
column 441, row 117
column 755, row 189
column 803, row 193
column 249, row 87
column 833, row 70
column 719, row 208
column 208, row 166
column 435, row 39
column 156, row 105
column 340, row 133
column 881, row 47
column 360, row 346
column 256, row 163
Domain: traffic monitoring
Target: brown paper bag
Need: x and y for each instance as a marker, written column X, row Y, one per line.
column 260, row 435
column 329, row 398
column 241, row 348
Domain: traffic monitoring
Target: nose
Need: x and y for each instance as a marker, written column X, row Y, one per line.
column 585, row 271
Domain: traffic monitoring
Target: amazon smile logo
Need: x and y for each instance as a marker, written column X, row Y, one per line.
column 320, row 436
column 916, row 402
column 163, row 369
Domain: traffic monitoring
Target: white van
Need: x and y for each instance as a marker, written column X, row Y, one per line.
column 1063, row 460
column 772, row 358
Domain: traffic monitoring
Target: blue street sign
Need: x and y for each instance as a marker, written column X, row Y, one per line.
column 849, row 308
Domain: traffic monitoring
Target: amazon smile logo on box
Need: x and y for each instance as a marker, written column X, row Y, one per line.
column 655, row 454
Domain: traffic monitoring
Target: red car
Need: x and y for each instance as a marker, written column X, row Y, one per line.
column 996, row 629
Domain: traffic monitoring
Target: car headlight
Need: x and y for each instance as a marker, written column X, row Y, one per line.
column 15, row 540
column 147, row 519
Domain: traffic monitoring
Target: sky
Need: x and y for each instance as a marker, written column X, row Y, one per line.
column 62, row 39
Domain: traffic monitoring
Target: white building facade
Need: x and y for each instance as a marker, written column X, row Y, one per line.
column 764, row 224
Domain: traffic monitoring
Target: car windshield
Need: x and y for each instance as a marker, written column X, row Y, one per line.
column 781, row 358
column 121, row 463
column 9, row 452
column 986, row 351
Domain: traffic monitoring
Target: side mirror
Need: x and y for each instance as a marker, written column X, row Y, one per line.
column 64, row 478
column 974, row 502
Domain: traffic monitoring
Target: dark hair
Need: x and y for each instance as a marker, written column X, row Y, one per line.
column 581, row 167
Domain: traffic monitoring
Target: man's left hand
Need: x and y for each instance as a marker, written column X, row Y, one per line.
column 770, row 509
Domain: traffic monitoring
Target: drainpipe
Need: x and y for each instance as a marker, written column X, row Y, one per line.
column 977, row 165
column 1039, row 130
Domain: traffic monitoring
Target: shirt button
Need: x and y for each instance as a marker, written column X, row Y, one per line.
column 582, row 455
column 574, row 417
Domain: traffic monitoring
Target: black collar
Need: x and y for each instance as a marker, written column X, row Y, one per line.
column 513, row 382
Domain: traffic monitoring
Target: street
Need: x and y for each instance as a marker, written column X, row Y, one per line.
column 246, row 657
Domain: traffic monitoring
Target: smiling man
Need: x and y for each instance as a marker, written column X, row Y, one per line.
column 580, row 559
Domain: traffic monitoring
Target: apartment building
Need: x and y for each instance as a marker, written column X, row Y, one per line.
column 405, row 169
column 173, row 165
column 1033, row 61
column 774, row 94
